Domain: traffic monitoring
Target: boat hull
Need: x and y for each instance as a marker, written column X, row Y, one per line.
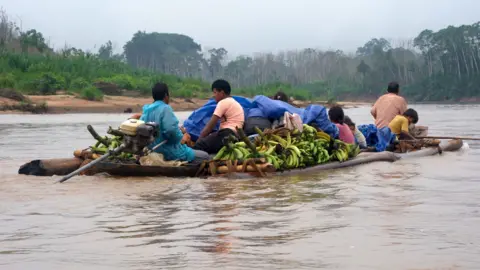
column 65, row 166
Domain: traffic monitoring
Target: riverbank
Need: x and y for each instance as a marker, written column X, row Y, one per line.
column 58, row 104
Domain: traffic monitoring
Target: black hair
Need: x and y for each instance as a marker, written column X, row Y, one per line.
column 336, row 114
column 160, row 91
column 281, row 96
column 222, row 85
column 348, row 121
column 393, row 87
column 411, row 113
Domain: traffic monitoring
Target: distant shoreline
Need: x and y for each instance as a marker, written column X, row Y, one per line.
column 62, row 104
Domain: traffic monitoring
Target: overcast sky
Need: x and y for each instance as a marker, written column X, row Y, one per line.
column 240, row 26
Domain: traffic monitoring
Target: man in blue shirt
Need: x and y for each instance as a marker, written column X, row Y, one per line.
column 162, row 114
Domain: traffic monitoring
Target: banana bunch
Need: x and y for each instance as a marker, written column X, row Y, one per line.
column 309, row 133
column 353, row 150
column 286, row 149
column 113, row 142
column 340, row 151
column 270, row 155
column 291, row 154
column 233, row 151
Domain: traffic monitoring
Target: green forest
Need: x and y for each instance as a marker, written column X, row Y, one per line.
column 441, row 65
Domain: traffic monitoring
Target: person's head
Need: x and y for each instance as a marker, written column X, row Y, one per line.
column 221, row 89
column 393, row 87
column 160, row 92
column 281, row 96
column 336, row 115
column 349, row 123
column 411, row 115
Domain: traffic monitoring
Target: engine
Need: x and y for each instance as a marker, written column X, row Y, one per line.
column 137, row 135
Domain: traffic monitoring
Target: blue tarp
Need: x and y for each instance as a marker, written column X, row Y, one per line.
column 261, row 106
column 200, row 117
column 317, row 114
column 256, row 112
column 272, row 109
column 379, row 138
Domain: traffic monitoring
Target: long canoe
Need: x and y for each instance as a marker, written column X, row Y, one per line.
column 52, row 167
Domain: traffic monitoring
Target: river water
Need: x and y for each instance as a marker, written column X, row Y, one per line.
column 413, row 214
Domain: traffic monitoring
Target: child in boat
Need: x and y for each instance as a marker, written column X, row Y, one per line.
column 231, row 116
column 337, row 117
column 359, row 138
column 399, row 125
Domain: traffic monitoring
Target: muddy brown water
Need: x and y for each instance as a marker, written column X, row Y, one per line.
column 412, row 214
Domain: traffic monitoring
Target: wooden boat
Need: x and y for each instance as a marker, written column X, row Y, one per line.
column 65, row 166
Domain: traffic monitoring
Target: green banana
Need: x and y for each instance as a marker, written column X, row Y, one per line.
column 220, row 153
column 241, row 144
column 238, row 154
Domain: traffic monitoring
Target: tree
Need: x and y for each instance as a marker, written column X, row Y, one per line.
column 106, row 50
column 34, row 39
column 167, row 53
column 215, row 60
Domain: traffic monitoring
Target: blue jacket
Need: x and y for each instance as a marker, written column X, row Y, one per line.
column 163, row 115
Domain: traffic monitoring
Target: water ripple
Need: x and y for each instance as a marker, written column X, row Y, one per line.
column 411, row 214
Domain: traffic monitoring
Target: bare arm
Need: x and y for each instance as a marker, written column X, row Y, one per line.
column 210, row 126
column 408, row 135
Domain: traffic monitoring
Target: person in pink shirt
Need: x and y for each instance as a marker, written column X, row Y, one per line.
column 388, row 106
column 337, row 116
column 228, row 111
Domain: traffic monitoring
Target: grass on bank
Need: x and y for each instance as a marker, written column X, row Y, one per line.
column 90, row 78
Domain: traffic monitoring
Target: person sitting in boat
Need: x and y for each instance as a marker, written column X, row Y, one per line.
column 280, row 95
column 162, row 113
column 231, row 116
column 399, row 125
column 337, row 117
column 256, row 117
column 359, row 138
column 388, row 106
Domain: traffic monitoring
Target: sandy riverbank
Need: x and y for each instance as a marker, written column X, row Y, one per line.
column 118, row 104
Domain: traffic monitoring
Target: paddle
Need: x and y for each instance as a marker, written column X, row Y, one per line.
column 449, row 137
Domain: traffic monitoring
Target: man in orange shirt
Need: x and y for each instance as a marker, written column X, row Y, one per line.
column 228, row 111
column 388, row 106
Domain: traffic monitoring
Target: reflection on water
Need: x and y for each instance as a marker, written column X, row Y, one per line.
column 411, row 214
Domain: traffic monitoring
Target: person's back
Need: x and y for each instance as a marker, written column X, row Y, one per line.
column 232, row 114
column 388, row 106
column 399, row 125
column 162, row 114
column 337, row 117
column 345, row 134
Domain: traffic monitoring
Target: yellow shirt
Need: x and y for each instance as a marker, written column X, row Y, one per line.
column 399, row 124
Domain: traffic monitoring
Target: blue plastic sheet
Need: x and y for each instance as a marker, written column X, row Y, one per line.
column 262, row 106
column 270, row 108
column 379, row 138
column 200, row 117
column 317, row 114
column 256, row 112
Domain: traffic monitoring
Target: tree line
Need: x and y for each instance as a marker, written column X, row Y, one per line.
column 435, row 65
